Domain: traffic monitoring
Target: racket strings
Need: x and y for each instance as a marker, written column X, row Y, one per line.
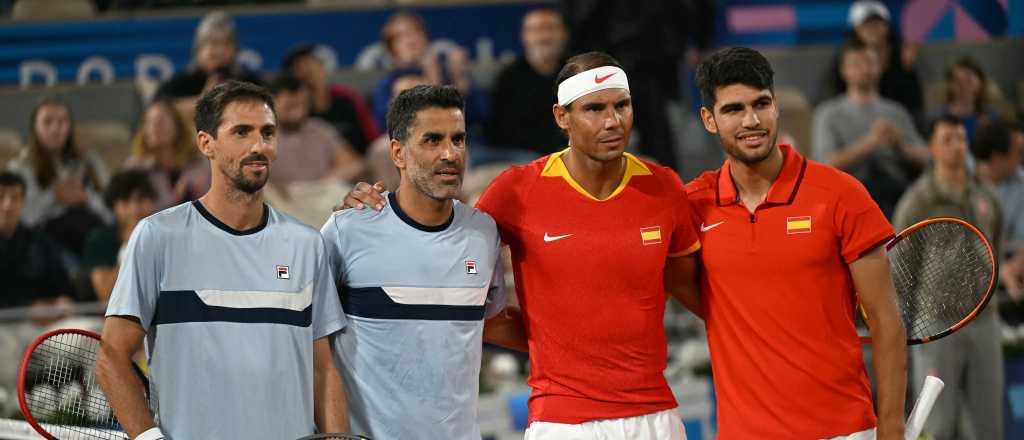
column 932, row 301
column 62, row 392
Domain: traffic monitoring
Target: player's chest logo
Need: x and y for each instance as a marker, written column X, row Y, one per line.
column 471, row 267
column 798, row 225
column 282, row 272
column 650, row 235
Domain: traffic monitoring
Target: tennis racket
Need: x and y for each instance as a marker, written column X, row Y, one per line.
column 334, row 436
column 58, row 391
column 922, row 407
column 944, row 271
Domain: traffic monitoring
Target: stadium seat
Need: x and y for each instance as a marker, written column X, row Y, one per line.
column 52, row 9
column 10, row 144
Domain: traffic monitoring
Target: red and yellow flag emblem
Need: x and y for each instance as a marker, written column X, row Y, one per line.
column 651, row 235
column 798, row 225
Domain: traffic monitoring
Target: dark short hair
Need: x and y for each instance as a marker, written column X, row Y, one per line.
column 853, row 44
column 9, row 179
column 735, row 65
column 210, row 108
column 296, row 54
column 403, row 109
column 582, row 63
column 946, row 118
column 991, row 138
column 126, row 184
column 286, row 82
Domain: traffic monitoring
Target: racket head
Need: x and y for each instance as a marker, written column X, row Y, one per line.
column 944, row 271
column 334, row 436
column 53, row 362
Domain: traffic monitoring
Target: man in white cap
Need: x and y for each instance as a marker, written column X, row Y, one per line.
column 598, row 237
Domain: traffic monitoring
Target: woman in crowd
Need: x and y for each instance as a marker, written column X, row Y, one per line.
column 163, row 146
column 65, row 182
column 966, row 84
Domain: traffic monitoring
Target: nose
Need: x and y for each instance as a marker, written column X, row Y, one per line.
column 448, row 152
column 264, row 146
column 612, row 120
column 750, row 119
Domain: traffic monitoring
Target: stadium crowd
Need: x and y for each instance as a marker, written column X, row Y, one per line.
column 66, row 212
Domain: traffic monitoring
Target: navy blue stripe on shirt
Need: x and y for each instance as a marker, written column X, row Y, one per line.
column 179, row 306
column 374, row 303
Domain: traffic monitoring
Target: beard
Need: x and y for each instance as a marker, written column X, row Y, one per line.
column 242, row 182
column 748, row 157
column 423, row 180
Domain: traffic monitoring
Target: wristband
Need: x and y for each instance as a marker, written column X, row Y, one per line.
column 153, row 433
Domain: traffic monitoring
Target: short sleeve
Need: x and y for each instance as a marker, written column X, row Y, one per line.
column 328, row 316
column 685, row 240
column 332, row 240
column 497, row 294
column 859, row 221
column 101, row 249
column 138, row 280
column 501, row 201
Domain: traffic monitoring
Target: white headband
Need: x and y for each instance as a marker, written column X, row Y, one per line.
column 590, row 81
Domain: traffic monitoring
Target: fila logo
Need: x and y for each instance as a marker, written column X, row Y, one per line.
column 601, row 79
column 282, row 273
column 471, row 267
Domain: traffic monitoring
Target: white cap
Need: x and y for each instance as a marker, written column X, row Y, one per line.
column 862, row 10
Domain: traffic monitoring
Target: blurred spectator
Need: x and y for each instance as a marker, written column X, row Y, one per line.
column 131, row 196
column 972, row 358
column 379, row 155
column 649, row 41
column 339, row 105
column 33, row 271
column 407, row 41
column 871, row 23
column 215, row 52
column 163, row 146
column 966, row 84
column 523, row 90
column 999, row 148
column 308, row 148
column 63, row 181
column 314, row 167
column 866, row 135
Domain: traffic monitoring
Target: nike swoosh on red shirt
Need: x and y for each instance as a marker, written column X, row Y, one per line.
column 601, row 79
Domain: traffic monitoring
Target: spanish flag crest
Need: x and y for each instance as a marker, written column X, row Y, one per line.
column 651, row 235
column 798, row 225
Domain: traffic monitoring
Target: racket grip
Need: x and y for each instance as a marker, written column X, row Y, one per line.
column 923, row 406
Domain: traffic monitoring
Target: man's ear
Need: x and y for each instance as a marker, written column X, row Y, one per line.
column 708, row 119
column 205, row 143
column 398, row 154
column 561, row 116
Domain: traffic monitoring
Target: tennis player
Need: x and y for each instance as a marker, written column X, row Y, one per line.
column 417, row 280
column 789, row 247
column 597, row 237
column 233, row 298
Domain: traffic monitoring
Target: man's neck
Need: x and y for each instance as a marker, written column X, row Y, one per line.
column 124, row 230
column 754, row 180
column 862, row 95
column 990, row 174
column 8, row 232
column 953, row 179
column 598, row 178
column 236, row 209
column 424, row 210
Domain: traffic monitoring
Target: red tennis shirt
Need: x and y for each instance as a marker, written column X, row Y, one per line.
column 589, row 277
column 779, row 301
